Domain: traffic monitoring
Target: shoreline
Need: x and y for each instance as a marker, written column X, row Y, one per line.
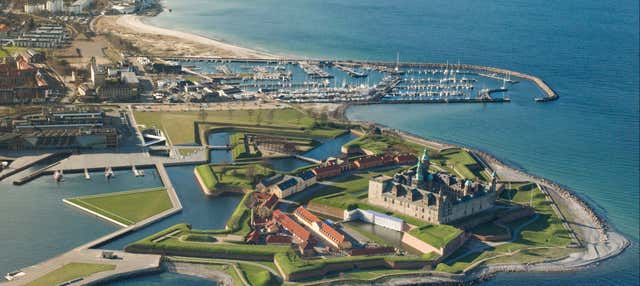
column 147, row 37
column 595, row 235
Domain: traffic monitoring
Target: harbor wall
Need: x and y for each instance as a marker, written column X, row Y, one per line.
column 550, row 93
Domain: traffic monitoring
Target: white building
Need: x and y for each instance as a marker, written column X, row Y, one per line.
column 79, row 6
column 55, row 6
column 374, row 217
column 33, row 8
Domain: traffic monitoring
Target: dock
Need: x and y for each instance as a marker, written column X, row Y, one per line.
column 24, row 162
column 352, row 72
column 127, row 264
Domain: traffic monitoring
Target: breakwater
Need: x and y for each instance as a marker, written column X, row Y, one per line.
column 551, row 95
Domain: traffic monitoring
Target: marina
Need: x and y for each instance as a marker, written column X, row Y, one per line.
column 320, row 81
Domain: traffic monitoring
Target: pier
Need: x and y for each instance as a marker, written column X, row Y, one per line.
column 127, row 264
column 390, row 68
column 350, row 71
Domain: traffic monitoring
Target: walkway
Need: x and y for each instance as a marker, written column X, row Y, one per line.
column 129, row 264
column 311, row 160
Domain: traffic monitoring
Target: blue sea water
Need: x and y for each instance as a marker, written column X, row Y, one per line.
column 586, row 50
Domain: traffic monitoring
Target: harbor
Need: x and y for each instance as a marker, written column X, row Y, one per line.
column 361, row 82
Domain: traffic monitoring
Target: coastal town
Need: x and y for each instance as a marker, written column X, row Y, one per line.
column 302, row 194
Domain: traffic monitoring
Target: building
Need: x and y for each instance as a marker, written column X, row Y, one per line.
column 372, row 161
column 266, row 183
column 79, row 6
column 63, row 128
column 113, row 84
column 22, row 83
column 328, row 233
column 308, row 179
column 270, row 202
column 330, row 170
column 289, row 186
column 298, row 232
column 374, row 217
column 44, row 37
column 34, row 8
column 98, row 73
column 436, row 198
column 36, row 56
column 55, row 6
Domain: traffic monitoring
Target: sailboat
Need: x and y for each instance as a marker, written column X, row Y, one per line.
column 108, row 173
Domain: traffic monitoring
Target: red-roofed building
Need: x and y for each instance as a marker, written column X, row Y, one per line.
column 306, row 216
column 334, row 237
column 325, row 231
column 405, row 159
column 277, row 239
column 329, row 171
column 270, row 202
column 367, row 162
column 290, row 225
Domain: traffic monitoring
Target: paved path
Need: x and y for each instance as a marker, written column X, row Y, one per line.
column 21, row 163
column 129, row 264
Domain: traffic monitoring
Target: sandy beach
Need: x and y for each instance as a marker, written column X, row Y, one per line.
column 160, row 41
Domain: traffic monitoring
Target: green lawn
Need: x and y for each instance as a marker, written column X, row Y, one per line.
column 127, row 207
column 460, row 163
column 489, row 229
column 520, row 193
column 545, row 231
column 10, row 51
column 257, row 276
column 437, row 235
column 69, row 272
column 377, row 143
column 179, row 126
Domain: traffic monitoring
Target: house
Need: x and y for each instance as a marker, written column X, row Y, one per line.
column 270, row 202
column 308, row 178
column 289, row 186
column 299, row 233
column 405, row 159
column 329, row 170
column 266, row 183
column 328, row 233
column 278, row 239
column 372, row 161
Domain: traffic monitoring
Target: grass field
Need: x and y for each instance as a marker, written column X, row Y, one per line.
column 383, row 143
column 127, row 207
column 544, row 238
column 437, row 235
column 69, row 272
column 460, row 163
column 179, row 126
column 257, row 276
column 231, row 177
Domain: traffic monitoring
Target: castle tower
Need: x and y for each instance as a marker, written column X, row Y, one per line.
column 422, row 170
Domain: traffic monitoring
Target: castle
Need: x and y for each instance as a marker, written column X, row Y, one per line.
column 433, row 197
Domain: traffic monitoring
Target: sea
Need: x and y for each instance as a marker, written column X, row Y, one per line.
column 588, row 140
column 587, row 51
